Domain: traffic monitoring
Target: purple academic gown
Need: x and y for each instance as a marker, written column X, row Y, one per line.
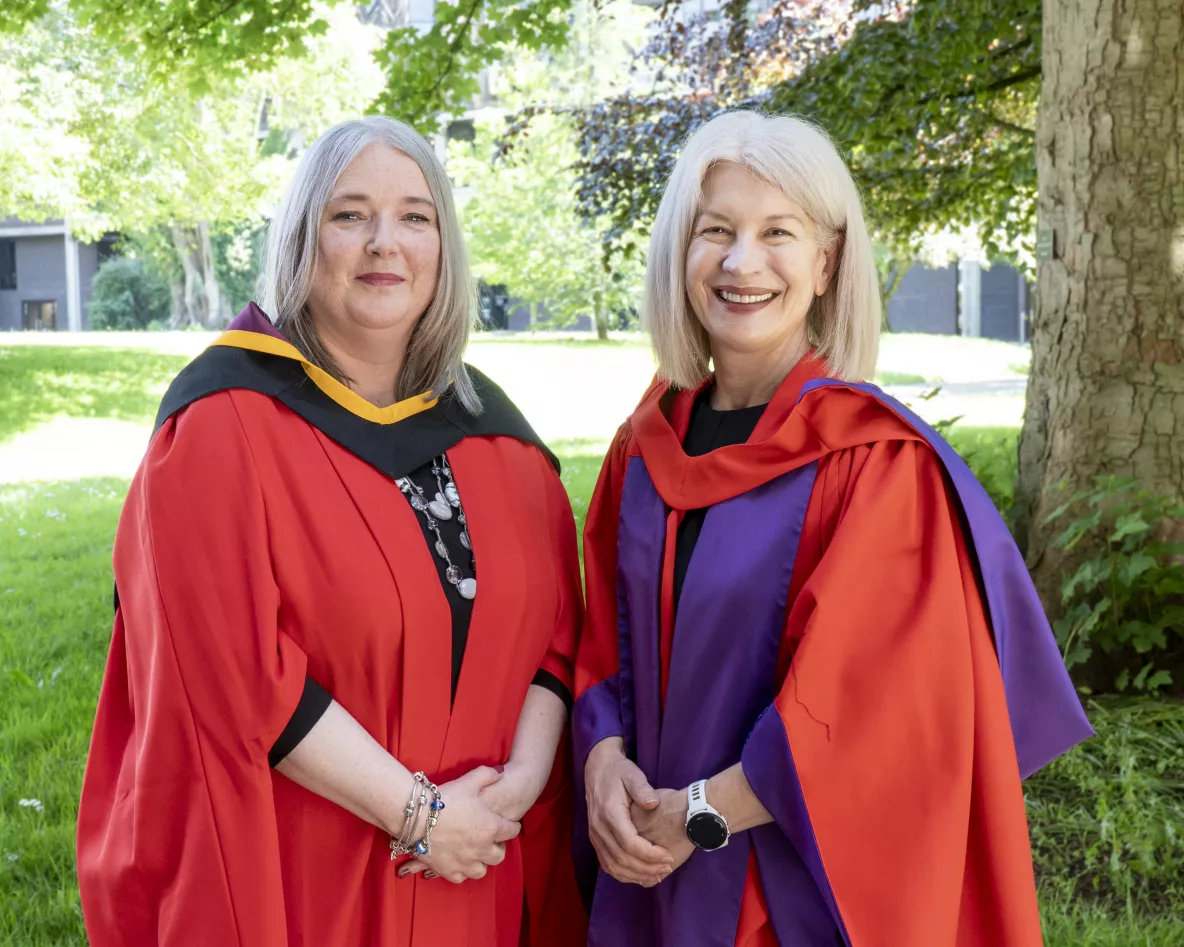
column 721, row 687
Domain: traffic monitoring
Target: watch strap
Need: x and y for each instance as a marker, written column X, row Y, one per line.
column 697, row 798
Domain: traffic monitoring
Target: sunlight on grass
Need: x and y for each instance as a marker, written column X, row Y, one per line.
column 40, row 383
column 55, row 625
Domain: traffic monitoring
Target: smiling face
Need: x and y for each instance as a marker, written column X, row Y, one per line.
column 378, row 257
column 753, row 265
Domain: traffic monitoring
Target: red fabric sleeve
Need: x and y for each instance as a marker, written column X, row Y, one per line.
column 177, row 840
column 561, row 652
column 895, row 713
column 598, row 657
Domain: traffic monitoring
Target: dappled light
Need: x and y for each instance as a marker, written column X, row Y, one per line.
column 41, row 383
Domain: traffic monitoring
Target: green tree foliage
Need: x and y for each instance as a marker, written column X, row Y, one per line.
column 933, row 103
column 198, row 44
column 436, row 72
column 1125, row 599
column 128, row 295
column 524, row 230
column 521, row 219
column 126, row 153
column 88, row 133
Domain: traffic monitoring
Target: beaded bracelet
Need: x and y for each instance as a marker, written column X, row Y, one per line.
column 424, row 846
column 403, row 845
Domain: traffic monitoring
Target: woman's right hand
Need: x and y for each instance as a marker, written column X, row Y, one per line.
column 614, row 782
column 470, row 836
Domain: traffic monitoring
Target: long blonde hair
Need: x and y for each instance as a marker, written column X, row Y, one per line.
column 435, row 351
column 799, row 158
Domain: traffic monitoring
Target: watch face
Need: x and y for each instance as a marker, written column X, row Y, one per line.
column 707, row 831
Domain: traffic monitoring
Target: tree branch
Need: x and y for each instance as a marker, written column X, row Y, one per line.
column 454, row 48
column 1010, row 126
column 226, row 8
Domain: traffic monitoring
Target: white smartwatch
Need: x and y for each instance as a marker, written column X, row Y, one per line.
column 706, row 827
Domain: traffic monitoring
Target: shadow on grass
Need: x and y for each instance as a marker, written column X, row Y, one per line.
column 43, row 382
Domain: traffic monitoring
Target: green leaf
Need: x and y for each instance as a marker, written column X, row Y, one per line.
column 1157, row 681
column 1131, row 524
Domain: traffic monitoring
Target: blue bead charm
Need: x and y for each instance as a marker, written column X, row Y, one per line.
column 438, row 805
column 421, row 849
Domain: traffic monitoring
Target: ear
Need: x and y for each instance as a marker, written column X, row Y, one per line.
column 828, row 263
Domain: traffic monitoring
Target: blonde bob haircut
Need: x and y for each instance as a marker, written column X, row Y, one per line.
column 436, row 348
column 798, row 158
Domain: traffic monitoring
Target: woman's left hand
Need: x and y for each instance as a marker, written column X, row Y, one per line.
column 666, row 825
column 519, row 788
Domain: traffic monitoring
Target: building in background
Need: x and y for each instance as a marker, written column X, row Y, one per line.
column 962, row 299
column 45, row 275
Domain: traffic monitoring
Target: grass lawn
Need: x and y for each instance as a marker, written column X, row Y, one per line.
column 39, row 383
column 55, row 622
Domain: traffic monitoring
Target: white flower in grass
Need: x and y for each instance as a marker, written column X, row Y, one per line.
column 21, row 532
column 36, row 804
column 12, row 856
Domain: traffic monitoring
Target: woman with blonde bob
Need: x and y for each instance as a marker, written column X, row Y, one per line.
column 346, row 611
column 806, row 623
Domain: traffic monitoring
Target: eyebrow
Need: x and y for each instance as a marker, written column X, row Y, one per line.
column 358, row 196
column 768, row 219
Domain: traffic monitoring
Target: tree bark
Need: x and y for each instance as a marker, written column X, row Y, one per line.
column 600, row 317
column 198, row 299
column 1106, row 392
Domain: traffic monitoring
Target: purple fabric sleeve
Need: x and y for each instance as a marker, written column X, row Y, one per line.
column 595, row 717
column 769, row 768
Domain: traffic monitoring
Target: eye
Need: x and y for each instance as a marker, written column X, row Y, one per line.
column 713, row 231
column 347, row 215
column 779, row 232
column 417, row 219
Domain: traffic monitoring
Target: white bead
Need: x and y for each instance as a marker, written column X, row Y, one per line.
column 467, row 588
column 440, row 509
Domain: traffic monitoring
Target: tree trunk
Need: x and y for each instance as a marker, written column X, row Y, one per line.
column 1106, row 392
column 198, row 299
column 600, row 317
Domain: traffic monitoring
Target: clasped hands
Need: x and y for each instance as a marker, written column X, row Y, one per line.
column 484, row 810
column 639, row 833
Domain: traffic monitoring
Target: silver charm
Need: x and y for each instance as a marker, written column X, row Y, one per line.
column 440, row 508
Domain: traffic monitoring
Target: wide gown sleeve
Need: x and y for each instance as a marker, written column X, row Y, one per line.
column 559, row 661
column 177, row 839
column 887, row 756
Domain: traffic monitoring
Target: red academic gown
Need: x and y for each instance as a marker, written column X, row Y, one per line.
column 888, row 685
column 253, row 550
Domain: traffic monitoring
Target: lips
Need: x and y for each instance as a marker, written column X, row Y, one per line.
column 381, row 279
column 743, row 295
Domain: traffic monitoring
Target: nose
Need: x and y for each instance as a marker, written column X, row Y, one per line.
column 743, row 257
column 383, row 236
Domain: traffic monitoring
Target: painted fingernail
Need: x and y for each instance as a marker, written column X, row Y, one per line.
column 429, row 874
column 403, row 872
column 499, row 768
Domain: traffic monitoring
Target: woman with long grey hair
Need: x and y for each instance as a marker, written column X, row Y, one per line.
column 814, row 668
column 347, row 602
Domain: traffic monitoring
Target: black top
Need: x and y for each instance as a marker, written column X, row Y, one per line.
column 708, row 430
